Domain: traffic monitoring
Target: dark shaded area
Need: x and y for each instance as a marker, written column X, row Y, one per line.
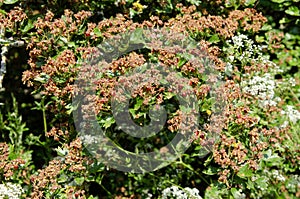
column 13, row 85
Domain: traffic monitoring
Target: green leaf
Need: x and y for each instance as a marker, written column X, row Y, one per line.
column 81, row 29
column 79, row 180
column 284, row 20
column 210, row 171
column 33, row 140
column 43, row 78
column 10, row 1
column 266, row 27
column 63, row 39
column 28, row 27
column 250, row 2
column 214, row 39
column 181, row 62
column 132, row 12
column 233, row 191
column 194, row 2
column 97, row 32
column 108, row 122
column 132, row 111
column 259, row 39
column 244, row 171
column 262, row 182
column 71, row 44
column 293, row 10
column 272, row 159
column 137, row 36
column 61, row 152
column 62, row 178
column 138, row 104
column 168, row 95
column 278, row 1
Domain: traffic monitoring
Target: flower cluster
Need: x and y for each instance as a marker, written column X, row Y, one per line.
column 239, row 194
column 243, row 51
column 263, row 88
column 10, row 20
column 292, row 114
column 185, row 193
column 278, row 176
column 11, row 168
column 48, row 180
column 10, row 190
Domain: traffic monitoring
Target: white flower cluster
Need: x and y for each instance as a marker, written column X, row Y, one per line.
column 243, row 49
column 10, row 190
column 263, row 88
column 239, row 195
column 186, row 193
column 240, row 40
column 293, row 183
column 278, row 176
column 88, row 139
column 291, row 113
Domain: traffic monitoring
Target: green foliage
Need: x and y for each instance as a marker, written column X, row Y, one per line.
column 12, row 128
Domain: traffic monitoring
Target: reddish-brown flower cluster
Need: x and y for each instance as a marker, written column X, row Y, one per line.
column 74, row 160
column 65, row 26
column 59, row 134
column 240, row 116
column 47, row 178
column 10, row 19
column 229, row 154
column 249, row 19
column 11, row 169
column 174, row 122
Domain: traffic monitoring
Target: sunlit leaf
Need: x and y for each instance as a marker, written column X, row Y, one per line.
column 10, row 1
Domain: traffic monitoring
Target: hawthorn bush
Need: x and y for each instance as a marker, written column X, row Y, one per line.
column 254, row 50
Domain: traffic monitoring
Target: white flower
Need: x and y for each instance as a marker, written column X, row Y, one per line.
column 278, row 176
column 175, row 192
column 238, row 40
column 285, row 123
column 239, row 195
column 291, row 113
column 10, row 190
column 243, row 49
column 263, row 88
column 192, row 193
column 89, row 139
column 231, row 58
column 292, row 82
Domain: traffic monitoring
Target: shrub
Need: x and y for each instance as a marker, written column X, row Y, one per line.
column 245, row 144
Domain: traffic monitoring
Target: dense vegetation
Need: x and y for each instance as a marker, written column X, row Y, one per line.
column 246, row 87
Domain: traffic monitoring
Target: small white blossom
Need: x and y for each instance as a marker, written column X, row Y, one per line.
column 175, row 192
column 285, row 124
column 88, row 139
column 238, row 40
column 278, row 176
column 291, row 113
column 293, row 182
column 192, row 193
column 239, row 195
column 10, row 190
column 231, row 58
column 292, row 82
column 263, row 88
column 244, row 50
